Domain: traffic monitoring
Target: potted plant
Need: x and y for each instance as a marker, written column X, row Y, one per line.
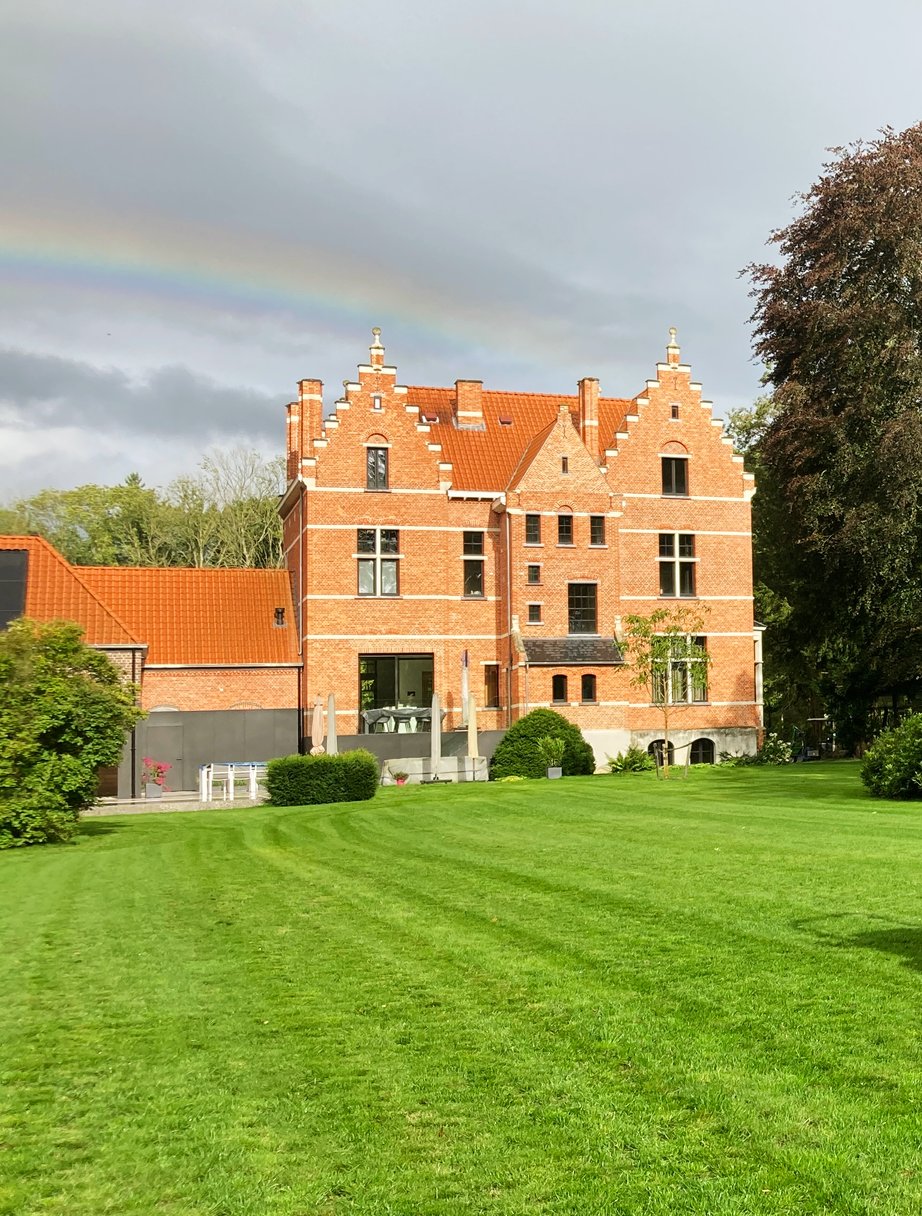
column 153, row 773
column 399, row 778
column 551, row 751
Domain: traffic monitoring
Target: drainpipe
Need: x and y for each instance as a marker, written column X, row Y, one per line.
column 509, row 615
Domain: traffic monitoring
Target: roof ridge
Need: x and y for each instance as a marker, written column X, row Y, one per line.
column 530, row 451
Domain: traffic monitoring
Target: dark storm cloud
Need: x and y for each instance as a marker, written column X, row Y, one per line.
column 45, row 391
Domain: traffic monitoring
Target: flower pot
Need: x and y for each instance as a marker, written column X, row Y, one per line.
column 554, row 773
column 153, row 791
column 401, row 780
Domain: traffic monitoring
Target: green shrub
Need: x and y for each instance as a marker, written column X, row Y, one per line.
column 518, row 753
column 634, row 760
column 774, row 750
column 64, row 712
column 310, row 780
column 892, row 765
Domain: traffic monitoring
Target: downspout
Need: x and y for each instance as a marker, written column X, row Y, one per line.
column 134, row 730
column 299, row 618
column 509, row 617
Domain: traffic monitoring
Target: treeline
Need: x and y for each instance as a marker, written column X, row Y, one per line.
column 225, row 515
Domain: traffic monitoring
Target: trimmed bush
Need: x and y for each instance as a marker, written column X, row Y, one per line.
column 519, row 751
column 634, row 760
column 892, row 765
column 311, row 780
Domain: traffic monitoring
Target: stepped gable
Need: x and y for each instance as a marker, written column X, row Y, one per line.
column 486, row 459
column 58, row 591
column 191, row 617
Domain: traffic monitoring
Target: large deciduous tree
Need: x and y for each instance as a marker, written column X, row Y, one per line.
column 838, row 324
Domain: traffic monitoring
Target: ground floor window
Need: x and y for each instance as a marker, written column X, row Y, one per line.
column 588, row 689
column 395, row 692
column 702, row 751
column 491, row 686
column 659, row 749
column 559, row 689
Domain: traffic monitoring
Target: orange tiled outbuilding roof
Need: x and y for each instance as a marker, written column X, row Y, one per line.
column 56, row 591
column 192, row 617
column 488, row 459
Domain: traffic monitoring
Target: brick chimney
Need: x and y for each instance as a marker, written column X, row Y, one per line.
column 376, row 350
column 469, row 404
column 310, row 402
column 292, row 440
column 589, row 416
column 673, row 354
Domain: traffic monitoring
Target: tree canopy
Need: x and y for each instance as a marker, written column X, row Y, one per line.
column 224, row 515
column 838, row 323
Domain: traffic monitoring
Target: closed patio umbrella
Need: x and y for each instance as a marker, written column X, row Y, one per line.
column 317, row 729
column 332, row 745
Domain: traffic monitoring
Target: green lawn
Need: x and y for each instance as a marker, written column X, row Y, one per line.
column 599, row 995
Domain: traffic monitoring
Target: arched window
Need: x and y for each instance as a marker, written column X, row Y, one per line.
column 558, row 689
column 656, row 749
column 588, row 689
column 702, row 751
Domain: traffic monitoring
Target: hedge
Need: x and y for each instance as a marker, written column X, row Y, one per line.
column 310, row 780
column 892, row 765
column 518, row 753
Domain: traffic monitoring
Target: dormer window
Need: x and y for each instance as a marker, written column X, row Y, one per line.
column 279, row 618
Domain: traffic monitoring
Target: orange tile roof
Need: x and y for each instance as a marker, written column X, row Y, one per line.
column 188, row 617
column 487, row 460
column 56, row 591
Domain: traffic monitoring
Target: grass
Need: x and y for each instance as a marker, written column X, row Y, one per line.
column 601, row 995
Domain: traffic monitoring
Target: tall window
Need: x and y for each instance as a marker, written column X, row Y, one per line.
column 565, row 529
column 558, row 689
column 581, row 603
column 588, row 689
column 532, row 529
column 534, row 574
column 676, row 563
column 675, row 475
column 491, row 686
column 378, row 570
column 687, row 678
column 473, row 564
column 597, row 529
column 376, row 468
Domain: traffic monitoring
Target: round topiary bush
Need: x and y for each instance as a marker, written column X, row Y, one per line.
column 892, row 765
column 519, row 753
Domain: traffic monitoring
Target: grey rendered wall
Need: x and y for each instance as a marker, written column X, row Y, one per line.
column 187, row 739
column 400, row 747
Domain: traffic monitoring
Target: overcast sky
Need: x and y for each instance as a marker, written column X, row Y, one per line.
column 201, row 203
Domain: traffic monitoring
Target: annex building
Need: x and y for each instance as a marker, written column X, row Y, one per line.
column 460, row 539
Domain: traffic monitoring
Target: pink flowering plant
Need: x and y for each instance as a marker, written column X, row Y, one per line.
column 153, row 771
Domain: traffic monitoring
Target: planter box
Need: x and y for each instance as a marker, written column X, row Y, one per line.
column 554, row 773
column 153, row 791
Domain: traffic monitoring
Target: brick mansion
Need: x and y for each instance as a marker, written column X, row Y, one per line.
column 460, row 539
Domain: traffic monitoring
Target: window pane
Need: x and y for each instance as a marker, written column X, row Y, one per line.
column 565, row 529
column 532, row 529
column 376, row 468
column 491, row 684
column 699, row 674
column 365, row 542
column 473, row 578
column 366, row 578
column 686, row 578
column 659, row 687
column 666, row 544
column 679, row 683
column 675, row 475
column 534, row 574
column 686, row 544
column 559, row 688
column 389, row 540
column 582, row 607
column 666, row 578
column 473, row 543
column 534, row 614
column 388, row 578
column 588, row 688
column 597, row 529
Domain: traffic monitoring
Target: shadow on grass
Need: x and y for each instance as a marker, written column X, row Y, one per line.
column 98, row 827
column 904, row 941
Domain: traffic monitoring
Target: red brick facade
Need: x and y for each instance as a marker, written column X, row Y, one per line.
column 465, row 462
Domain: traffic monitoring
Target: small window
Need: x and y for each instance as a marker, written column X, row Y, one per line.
column 376, row 402
column 473, row 579
column 588, row 689
column 280, row 617
column 675, row 476
column 491, row 685
column 581, row 604
column 559, row 690
column 702, row 751
column 534, row 614
column 674, row 410
column 534, row 575
column 473, row 544
column 532, row 529
column 376, row 468
column 565, row 529
column 565, row 464
column 597, row 529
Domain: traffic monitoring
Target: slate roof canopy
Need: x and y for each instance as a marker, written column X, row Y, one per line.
column 572, row 652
